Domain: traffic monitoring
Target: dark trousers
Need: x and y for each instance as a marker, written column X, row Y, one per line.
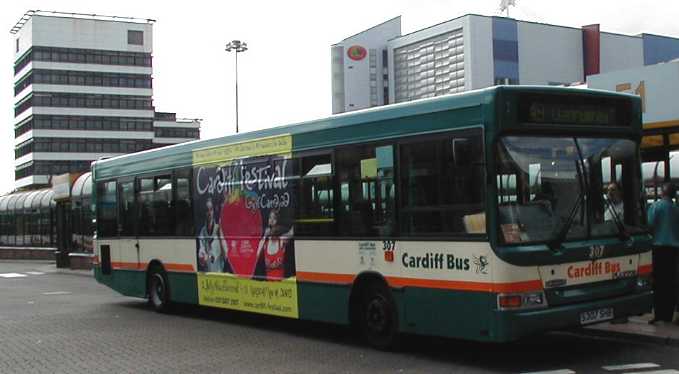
column 664, row 282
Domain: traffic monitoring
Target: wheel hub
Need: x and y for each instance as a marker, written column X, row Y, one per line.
column 158, row 290
column 376, row 315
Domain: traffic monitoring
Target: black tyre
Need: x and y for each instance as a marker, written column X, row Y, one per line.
column 159, row 291
column 379, row 317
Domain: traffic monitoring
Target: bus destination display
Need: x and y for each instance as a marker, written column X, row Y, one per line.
column 551, row 110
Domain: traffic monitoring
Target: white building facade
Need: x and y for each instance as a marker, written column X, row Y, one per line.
column 474, row 51
column 359, row 68
column 83, row 90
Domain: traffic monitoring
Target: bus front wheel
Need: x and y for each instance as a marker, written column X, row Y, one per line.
column 159, row 291
column 379, row 318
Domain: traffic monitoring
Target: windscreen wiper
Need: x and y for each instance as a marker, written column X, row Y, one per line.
column 555, row 243
column 624, row 234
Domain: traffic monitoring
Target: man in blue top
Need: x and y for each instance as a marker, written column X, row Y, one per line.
column 663, row 219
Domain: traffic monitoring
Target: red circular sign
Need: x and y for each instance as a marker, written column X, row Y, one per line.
column 357, row 53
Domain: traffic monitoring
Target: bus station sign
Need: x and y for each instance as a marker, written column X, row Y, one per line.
column 656, row 85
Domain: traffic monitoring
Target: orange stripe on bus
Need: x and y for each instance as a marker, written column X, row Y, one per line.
column 431, row 283
column 127, row 265
column 307, row 276
column 645, row 269
column 179, row 267
column 533, row 285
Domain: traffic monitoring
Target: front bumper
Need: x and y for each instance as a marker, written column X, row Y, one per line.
column 512, row 325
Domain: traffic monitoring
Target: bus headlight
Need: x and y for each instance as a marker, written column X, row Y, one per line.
column 523, row 300
column 644, row 281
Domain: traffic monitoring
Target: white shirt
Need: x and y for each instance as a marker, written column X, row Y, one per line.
column 619, row 209
column 210, row 249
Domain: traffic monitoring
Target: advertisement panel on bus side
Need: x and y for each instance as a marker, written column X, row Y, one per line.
column 244, row 210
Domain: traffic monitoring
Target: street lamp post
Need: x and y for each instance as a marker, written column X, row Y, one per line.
column 237, row 46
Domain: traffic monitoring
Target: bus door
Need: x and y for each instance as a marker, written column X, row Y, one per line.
column 107, row 227
column 128, row 241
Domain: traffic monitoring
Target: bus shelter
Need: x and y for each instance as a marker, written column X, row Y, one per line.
column 72, row 193
column 27, row 219
column 82, row 226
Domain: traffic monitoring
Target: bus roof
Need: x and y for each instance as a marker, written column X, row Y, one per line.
column 180, row 154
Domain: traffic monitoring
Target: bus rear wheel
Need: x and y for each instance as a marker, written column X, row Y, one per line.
column 378, row 317
column 159, row 291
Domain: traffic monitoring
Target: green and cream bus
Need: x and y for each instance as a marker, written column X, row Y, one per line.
column 487, row 215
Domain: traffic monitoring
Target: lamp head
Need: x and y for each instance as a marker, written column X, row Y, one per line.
column 237, row 46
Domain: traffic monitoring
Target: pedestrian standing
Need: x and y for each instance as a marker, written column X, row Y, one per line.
column 663, row 219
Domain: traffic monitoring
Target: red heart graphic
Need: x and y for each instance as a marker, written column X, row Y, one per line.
column 242, row 228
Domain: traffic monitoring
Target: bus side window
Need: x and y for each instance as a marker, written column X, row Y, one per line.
column 315, row 208
column 127, row 208
column 183, row 210
column 442, row 186
column 162, row 206
column 367, row 191
column 145, row 224
column 156, row 216
column 107, row 212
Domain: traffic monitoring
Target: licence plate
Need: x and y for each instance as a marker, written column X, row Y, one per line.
column 598, row 315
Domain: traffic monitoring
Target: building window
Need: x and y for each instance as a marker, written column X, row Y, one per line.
column 428, row 68
column 17, row 45
column 81, row 145
column 166, row 132
column 135, row 37
column 85, row 101
column 505, row 81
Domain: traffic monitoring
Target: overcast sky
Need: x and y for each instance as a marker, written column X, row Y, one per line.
column 285, row 75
